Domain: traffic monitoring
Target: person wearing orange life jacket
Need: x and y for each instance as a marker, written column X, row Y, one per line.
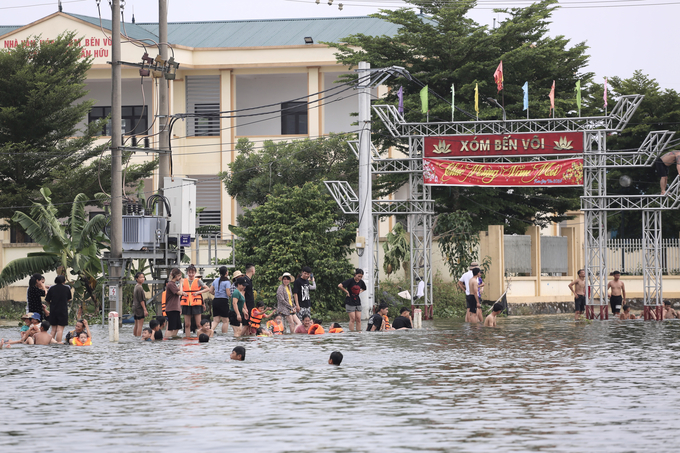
column 192, row 301
column 335, row 328
column 276, row 325
column 316, row 328
column 256, row 315
column 377, row 321
column 81, row 340
column 387, row 323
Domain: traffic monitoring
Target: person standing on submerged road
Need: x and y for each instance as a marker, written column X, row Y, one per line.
column 464, row 285
column 248, row 292
column 474, row 305
column 58, row 297
column 301, row 287
column 578, row 289
column 221, row 288
column 285, row 304
column 618, row 295
column 139, row 304
column 36, row 291
column 172, row 306
column 352, row 288
column 192, row 300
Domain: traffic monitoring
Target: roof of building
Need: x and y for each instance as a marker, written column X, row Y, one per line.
column 132, row 30
column 248, row 33
column 272, row 32
column 4, row 29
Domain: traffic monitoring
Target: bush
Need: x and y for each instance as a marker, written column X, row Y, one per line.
column 449, row 301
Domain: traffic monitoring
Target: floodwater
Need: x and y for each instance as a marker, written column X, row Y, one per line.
column 542, row 383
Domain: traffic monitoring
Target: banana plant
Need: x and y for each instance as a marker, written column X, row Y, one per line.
column 75, row 246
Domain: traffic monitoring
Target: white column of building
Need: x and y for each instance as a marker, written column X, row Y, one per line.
column 227, row 134
column 314, row 110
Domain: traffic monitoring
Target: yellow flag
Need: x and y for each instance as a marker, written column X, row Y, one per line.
column 477, row 99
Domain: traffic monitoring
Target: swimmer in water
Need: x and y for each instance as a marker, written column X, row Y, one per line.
column 146, row 334
column 205, row 328
column 203, row 338
column 626, row 314
column 335, row 358
column 668, row 312
column 490, row 320
column 239, row 353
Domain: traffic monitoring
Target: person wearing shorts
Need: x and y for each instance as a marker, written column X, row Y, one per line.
column 221, row 289
column 352, row 288
column 238, row 314
column 285, row 305
column 172, row 306
column 58, row 297
column 578, row 289
column 139, row 304
column 618, row 293
column 580, row 303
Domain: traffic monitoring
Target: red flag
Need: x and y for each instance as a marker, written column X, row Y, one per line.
column 498, row 76
column 552, row 96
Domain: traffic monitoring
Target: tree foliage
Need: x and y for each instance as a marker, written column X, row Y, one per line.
column 41, row 106
column 442, row 48
column 397, row 249
column 458, row 241
column 75, row 246
column 298, row 227
column 257, row 173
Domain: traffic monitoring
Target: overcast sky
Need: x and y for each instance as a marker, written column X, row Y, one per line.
column 623, row 35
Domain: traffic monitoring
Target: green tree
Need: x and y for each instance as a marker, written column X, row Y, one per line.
column 297, row 228
column 444, row 47
column 458, row 242
column 75, row 246
column 41, row 106
column 397, row 249
column 257, row 173
column 659, row 110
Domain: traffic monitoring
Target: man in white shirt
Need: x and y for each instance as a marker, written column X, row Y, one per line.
column 464, row 285
column 421, row 288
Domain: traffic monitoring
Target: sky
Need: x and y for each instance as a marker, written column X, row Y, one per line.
column 623, row 35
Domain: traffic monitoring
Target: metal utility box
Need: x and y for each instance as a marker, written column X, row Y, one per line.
column 141, row 231
column 181, row 194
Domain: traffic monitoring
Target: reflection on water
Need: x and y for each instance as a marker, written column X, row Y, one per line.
column 533, row 383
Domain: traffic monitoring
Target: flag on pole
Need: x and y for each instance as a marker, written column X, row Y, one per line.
column 400, row 95
column 552, row 97
column 578, row 96
column 453, row 101
column 525, row 88
column 423, row 100
column 605, row 92
column 498, row 76
column 477, row 99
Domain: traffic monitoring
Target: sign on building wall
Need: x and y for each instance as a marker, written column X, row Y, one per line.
column 534, row 144
column 563, row 172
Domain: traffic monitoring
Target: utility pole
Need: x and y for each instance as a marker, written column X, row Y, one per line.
column 163, row 102
column 365, row 189
column 116, row 266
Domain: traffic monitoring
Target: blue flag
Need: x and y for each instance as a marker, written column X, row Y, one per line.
column 525, row 88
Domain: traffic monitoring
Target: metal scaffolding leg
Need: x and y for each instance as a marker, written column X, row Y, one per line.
column 651, row 252
column 595, row 189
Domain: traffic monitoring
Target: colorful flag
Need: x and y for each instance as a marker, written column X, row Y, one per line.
column 477, row 99
column 552, row 97
column 400, row 95
column 423, row 100
column 498, row 76
column 578, row 96
column 525, row 88
column 453, row 101
column 605, row 92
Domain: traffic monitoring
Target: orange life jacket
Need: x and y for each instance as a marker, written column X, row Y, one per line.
column 191, row 299
column 163, row 303
column 336, row 330
column 277, row 329
column 316, row 329
column 387, row 322
column 76, row 342
column 255, row 320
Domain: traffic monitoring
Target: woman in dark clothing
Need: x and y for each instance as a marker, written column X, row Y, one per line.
column 36, row 291
column 58, row 297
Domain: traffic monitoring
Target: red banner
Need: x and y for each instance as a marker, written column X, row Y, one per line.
column 504, row 144
column 564, row 172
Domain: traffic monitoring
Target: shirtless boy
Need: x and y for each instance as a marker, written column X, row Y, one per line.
column 43, row 337
column 661, row 167
column 668, row 312
column 578, row 289
column 618, row 293
column 490, row 320
column 626, row 314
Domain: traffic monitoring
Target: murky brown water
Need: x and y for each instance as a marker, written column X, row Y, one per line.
column 534, row 383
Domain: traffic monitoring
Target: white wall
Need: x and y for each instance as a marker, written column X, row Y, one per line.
column 263, row 89
column 338, row 105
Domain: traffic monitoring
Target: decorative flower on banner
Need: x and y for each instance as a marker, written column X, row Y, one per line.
column 429, row 175
column 563, row 144
column 574, row 174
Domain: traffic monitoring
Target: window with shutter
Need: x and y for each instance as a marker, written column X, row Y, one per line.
column 203, row 99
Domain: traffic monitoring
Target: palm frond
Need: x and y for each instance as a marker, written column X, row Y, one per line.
column 91, row 231
column 34, row 229
column 78, row 220
column 39, row 262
